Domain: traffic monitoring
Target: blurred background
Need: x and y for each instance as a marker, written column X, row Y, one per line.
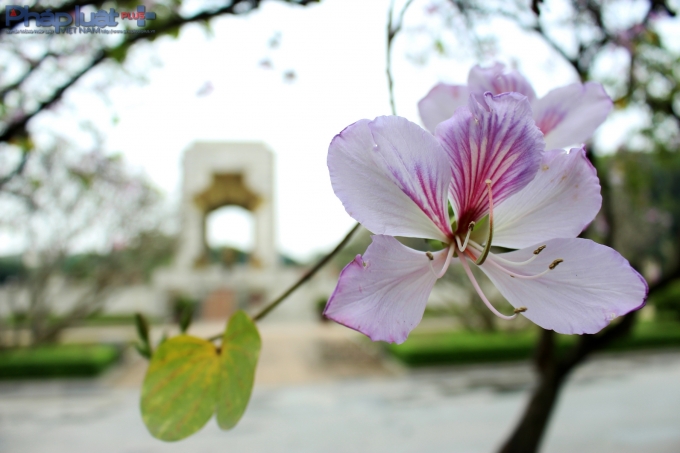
column 181, row 174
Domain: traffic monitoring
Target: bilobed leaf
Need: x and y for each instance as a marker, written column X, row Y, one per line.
column 188, row 379
column 180, row 388
column 238, row 360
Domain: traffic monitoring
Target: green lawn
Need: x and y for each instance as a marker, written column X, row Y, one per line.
column 57, row 361
column 459, row 347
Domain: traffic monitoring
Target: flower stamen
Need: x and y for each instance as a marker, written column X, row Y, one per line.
column 525, row 277
column 487, row 246
column 463, row 261
column 554, row 264
column 513, row 263
column 479, row 248
column 445, row 267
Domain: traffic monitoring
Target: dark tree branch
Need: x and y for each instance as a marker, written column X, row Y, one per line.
column 538, row 28
column 19, row 126
column 31, row 67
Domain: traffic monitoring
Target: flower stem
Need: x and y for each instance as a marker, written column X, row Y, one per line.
column 309, row 274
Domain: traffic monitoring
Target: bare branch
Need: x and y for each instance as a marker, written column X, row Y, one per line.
column 392, row 31
column 19, row 126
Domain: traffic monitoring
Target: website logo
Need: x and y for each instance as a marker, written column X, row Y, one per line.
column 61, row 22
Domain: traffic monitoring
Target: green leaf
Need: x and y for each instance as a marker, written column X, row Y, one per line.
column 185, row 320
column 180, row 387
column 188, row 379
column 240, row 350
column 142, row 327
column 143, row 350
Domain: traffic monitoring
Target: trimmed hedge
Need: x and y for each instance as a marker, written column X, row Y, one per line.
column 73, row 360
column 462, row 347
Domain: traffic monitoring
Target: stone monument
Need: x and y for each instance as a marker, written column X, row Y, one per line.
column 223, row 174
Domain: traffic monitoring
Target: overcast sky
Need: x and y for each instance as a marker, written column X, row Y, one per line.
column 215, row 88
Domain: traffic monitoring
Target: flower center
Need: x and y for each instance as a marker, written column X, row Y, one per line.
column 462, row 244
column 469, row 249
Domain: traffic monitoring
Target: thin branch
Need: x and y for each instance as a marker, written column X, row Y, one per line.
column 20, row 126
column 19, row 169
column 32, row 65
column 102, row 54
column 309, row 274
column 541, row 31
column 392, row 31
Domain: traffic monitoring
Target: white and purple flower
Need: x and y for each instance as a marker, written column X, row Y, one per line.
column 488, row 161
column 567, row 115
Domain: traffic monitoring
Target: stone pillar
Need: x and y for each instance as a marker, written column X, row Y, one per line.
column 222, row 174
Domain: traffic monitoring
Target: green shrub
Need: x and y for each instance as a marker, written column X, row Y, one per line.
column 57, row 361
column 667, row 302
column 461, row 347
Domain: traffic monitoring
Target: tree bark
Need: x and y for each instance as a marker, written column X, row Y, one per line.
column 553, row 371
column 529, row 433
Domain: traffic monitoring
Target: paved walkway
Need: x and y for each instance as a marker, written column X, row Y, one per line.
column 619, row 404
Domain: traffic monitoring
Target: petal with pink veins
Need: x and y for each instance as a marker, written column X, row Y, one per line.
column 592, row 286
column 569, row 115
column 494, row 140
column 494, row 80
column 383, row 294
column 440, row 103
column 559, row 202
column 392, row 176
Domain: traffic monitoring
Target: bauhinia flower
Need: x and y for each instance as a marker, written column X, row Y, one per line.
column 488, row 161
column 567, row 116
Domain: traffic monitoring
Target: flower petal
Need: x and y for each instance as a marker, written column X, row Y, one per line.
column 593, row 285
column 440, row 103
column 560, row 202
column 392, row 176
column 569, row 115
column 383, row 294
column 497, row 140
column 481, row 80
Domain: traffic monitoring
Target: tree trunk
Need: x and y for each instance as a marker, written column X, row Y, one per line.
column 529, row 432
column 553, row 370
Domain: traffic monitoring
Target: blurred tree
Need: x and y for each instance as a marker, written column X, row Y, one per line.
column 65, row 196
column 622, row 45
column 38, row 69
column 68, row 201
